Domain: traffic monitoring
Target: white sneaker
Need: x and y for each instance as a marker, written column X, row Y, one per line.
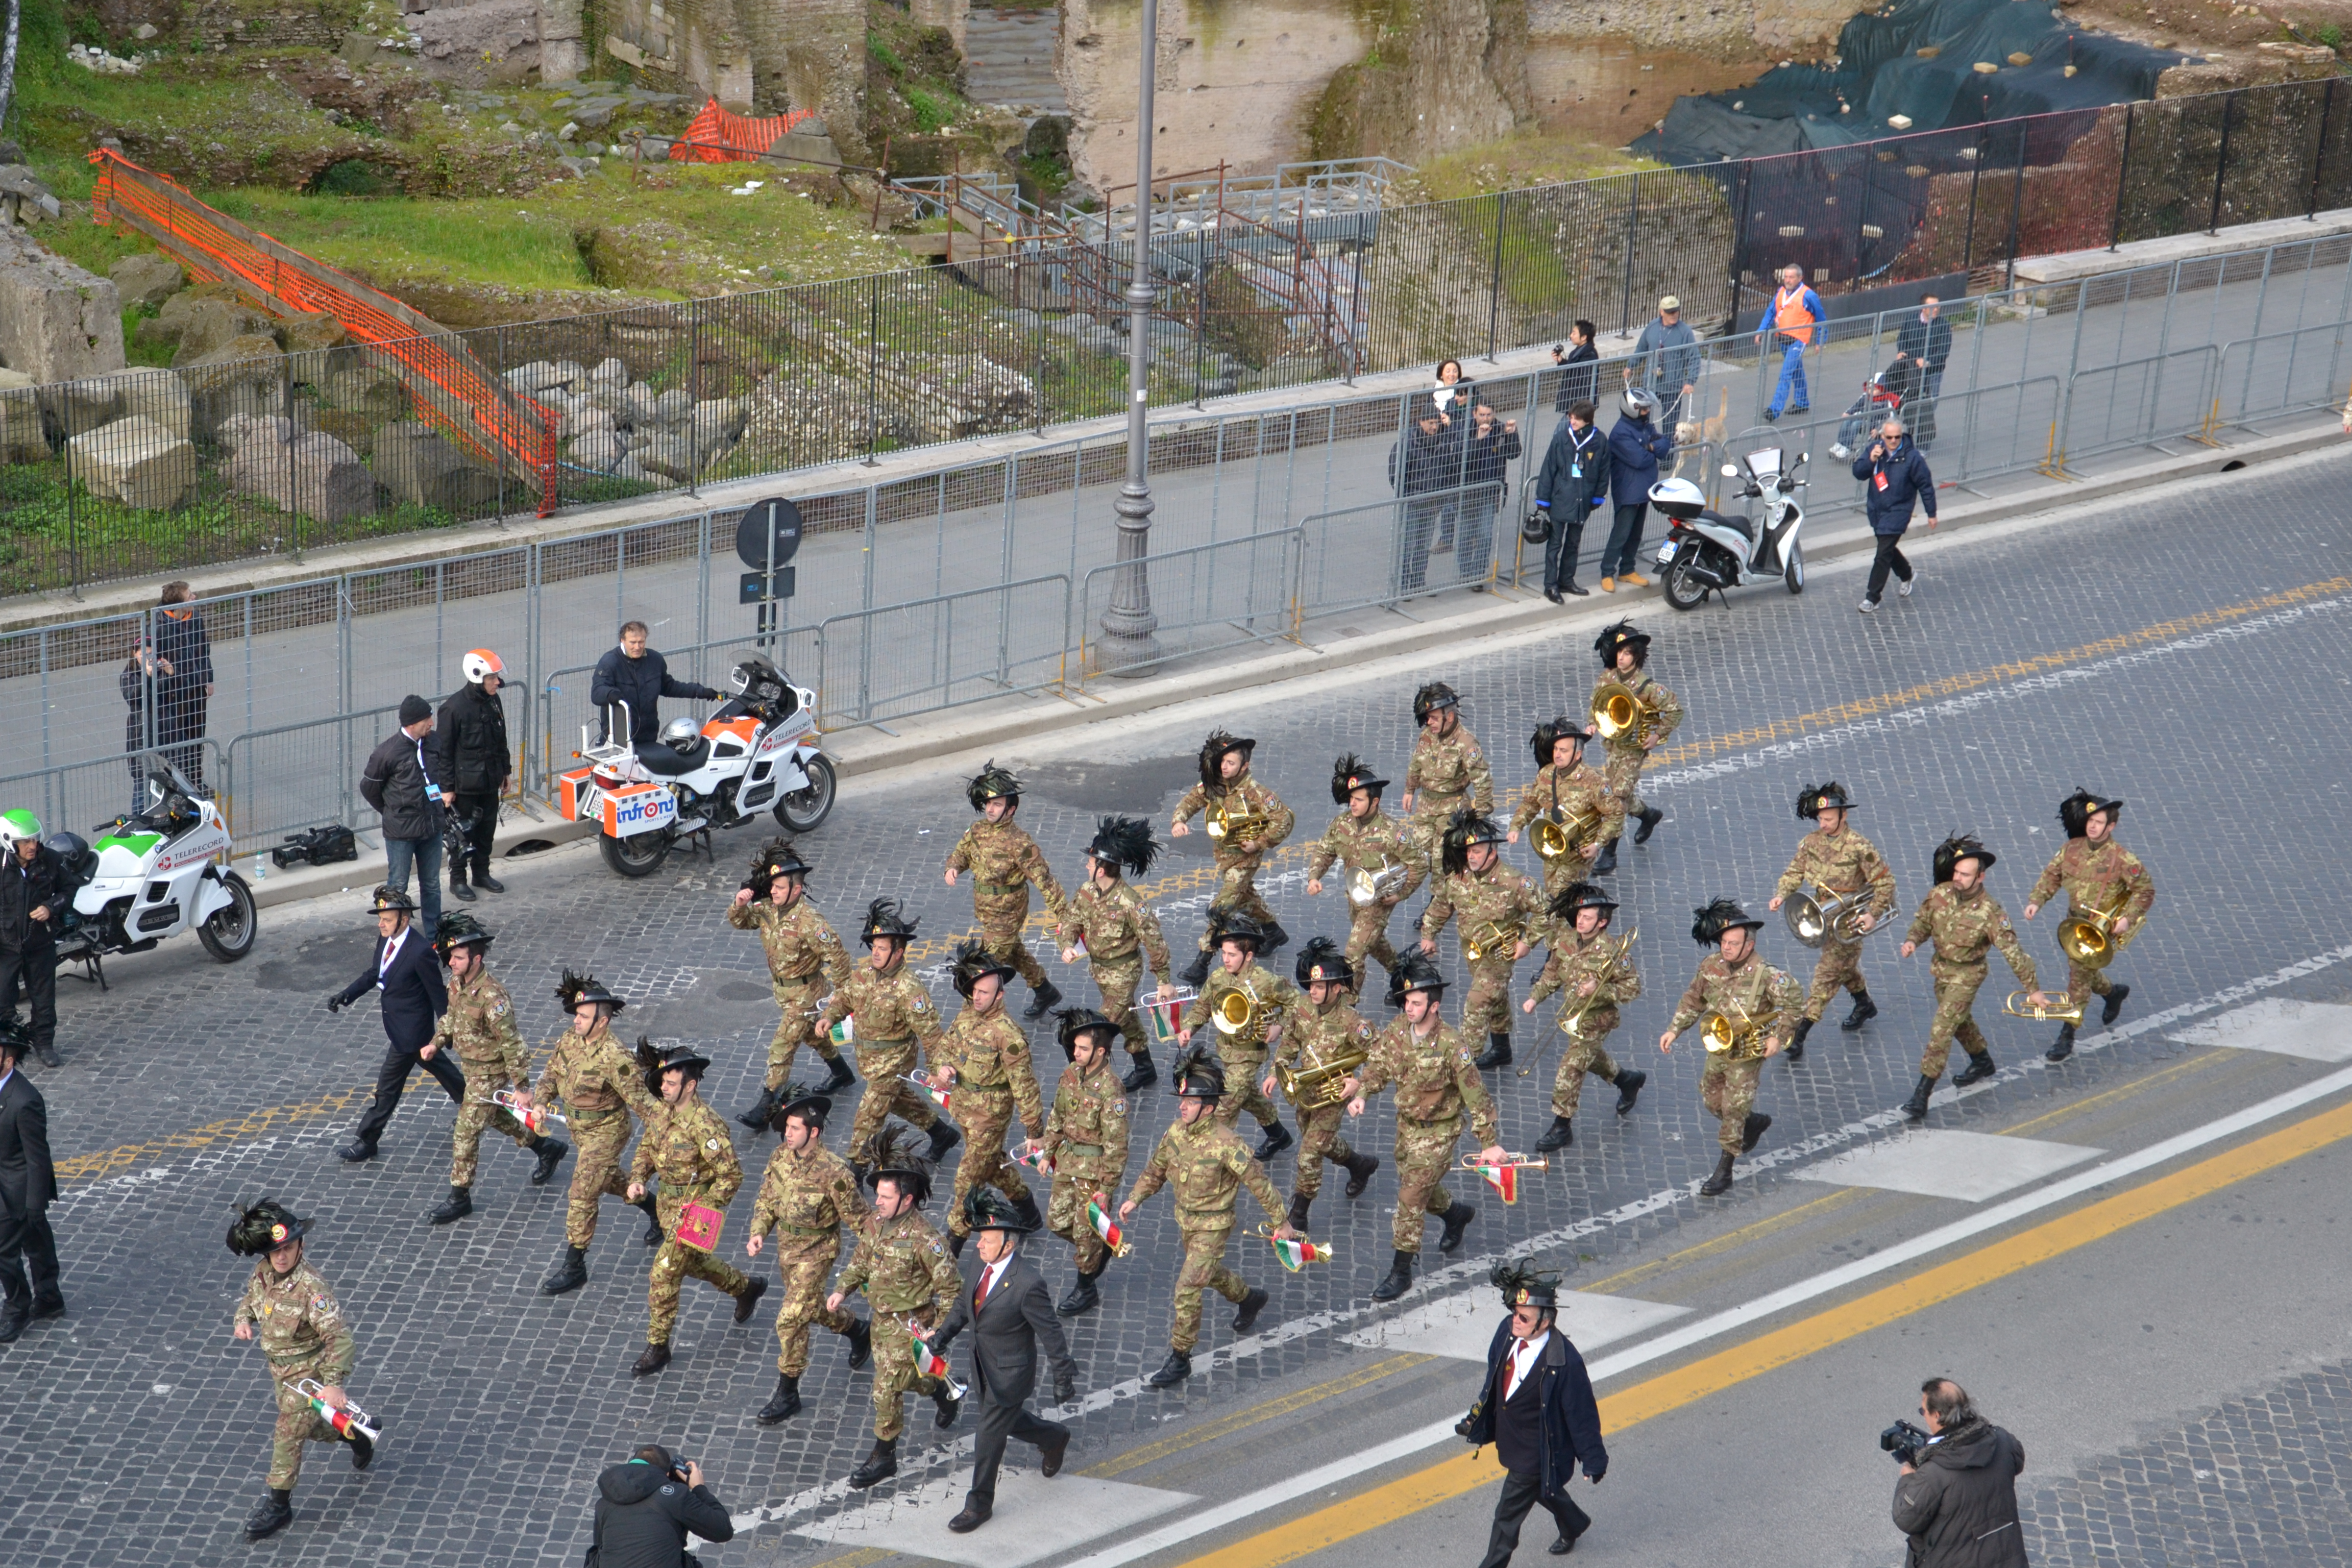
column 1842, row 452
column 1869, row 606
column 1904, row 591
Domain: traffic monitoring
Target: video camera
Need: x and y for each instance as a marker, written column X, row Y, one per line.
column 1904, row 1441
column 317, row 847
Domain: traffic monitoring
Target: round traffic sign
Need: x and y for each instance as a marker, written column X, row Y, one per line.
column 774, row 524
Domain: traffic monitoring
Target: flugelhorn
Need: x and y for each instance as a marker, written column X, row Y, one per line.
column 1557, row 834
column 1816, row 916
column 1721, row 1032
column 2059, row 1010
column 1489, row 936
column 1234, row 1011
column 1225, row 824
column 1367, row 887
column 2087, row 940
column 1616, row 710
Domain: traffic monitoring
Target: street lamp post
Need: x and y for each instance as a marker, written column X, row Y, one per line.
column 1128, row 622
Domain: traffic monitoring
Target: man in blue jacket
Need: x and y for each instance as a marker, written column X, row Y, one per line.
column 634, row 674
column 1570, row 487
column 1537, row 1408
column 1636, row 446
column 408, row 972
column 1895, row 475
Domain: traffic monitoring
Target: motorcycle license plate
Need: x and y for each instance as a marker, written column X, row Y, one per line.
column 1666, row 553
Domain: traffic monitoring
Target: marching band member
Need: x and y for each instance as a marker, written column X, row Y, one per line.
column 1363, row 839
column 805, row 962
column 1624, row 659
column 1564, row 790
column 1326, row 1029
column 1004, row 860
column 1226, row 785
column 1117, row 932
column 1838, row 859
column 1758, row 1005
column 2103, row 880
column 1963, row 920
column 1598, row 976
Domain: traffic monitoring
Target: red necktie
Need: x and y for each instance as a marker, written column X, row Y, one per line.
column 980, row 1297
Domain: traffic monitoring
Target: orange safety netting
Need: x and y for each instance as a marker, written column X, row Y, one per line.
column 718, row 137
column 452, row 390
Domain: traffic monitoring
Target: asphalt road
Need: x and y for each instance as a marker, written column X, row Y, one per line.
column 2166, row 650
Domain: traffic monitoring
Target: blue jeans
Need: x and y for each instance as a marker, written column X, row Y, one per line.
column 426, row 854
column 1473, row 543
column 1792, row 378
column 1624, row 539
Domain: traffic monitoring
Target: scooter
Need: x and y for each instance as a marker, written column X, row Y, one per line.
column 1707, row 552
column 757, row 750
column 151, row 876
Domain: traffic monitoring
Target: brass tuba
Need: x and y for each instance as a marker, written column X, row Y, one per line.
column 1558, row 832
column 1367, row 887
column 2062, row 1009
column 1237, row 827
column 1489, row 936
column 1235, row 1011
column 1616, row 710
column 1817, row 916
column 1312, row 1087
column 2087, row 942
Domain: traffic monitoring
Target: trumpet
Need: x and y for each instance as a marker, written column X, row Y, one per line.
column 1228, row 825
column 1616, row 710
column 2087, row 941
column 1367, row 887
column 1817, row 916
column 1555, row 833
column 536, row 1118
column 1312, row 1087
column 1722, row 1032
column 1235, row 1011
column 354, row 1418
column 1489, row 936
column 1510, row 1161
column 2062, row 1008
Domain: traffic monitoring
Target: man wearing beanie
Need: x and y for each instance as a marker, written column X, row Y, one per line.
column 398, row 782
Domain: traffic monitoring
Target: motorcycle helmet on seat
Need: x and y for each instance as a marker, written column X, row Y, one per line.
column 681, row 734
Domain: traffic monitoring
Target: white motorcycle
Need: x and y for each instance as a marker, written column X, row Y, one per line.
column 757, row 750
column 1708, row 552
column 152, row 875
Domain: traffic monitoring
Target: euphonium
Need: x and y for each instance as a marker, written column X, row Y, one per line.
column 1235, row 1011
column 1816, row 916
column 1367, row 886
column 1239, row 827
column 1312, row 1087
column 1617, row 711
column 1722, row 1032
column 1557, row 833
column 2060, row 1009
column 2087, row 942
column 1489, row 936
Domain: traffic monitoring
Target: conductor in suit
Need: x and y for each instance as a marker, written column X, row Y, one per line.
column 28, row 1183
column 408, row 972
column 1537, row 1408
column 1009, row 1310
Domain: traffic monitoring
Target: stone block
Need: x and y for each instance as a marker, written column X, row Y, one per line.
column 670, row 453
column 312, row 332
column 717, row 424
column 609, row 373
column 369, row 389
column 352, row 427
column 423, row 469
column 21, row 440
column 246, row 375
column 157, row 394
column 57, row 322
column 597, row 450
column 315, row 475
column 198, row 324
column 240, row 430
column 135, row 461
column 146, row 279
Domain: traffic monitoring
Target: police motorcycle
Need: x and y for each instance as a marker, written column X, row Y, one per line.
column 1707, row 552
column 149, row 876
column 758, row 751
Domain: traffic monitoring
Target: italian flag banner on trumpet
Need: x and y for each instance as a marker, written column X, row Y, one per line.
column 1109, row 1229
column 1296, row 1254
column 843, row 1033
column 1036, row 1159
column 348, row 1423
column 940, row 1093
column 929, row 1363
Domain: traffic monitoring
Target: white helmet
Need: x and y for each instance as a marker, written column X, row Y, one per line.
column 1639, row 403
column 680, row 734
column 19, row 826
column 480, row 663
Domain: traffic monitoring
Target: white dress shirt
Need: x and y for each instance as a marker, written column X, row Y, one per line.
column 1524, row 1355
column 391, row 952
column 990, row 1279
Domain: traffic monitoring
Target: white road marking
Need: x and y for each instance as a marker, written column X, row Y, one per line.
column 2318, row 1031
column 1939, row 1163
column 1462, row 1326
column 1045, row 1518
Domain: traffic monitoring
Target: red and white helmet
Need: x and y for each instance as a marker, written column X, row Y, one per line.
column 481, row 663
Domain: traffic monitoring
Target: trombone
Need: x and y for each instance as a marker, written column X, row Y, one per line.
column 1821, row 915
column 1616, row 710
column 1557, row 833
column 1235, row 1011
column 2087, row 940
column 1367, row 886
column 1571, row 1022
column 1238, row 828
column 1489, row 936
column 2059, row 1010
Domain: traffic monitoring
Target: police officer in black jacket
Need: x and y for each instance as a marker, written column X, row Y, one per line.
column 645, row 1508
column 477, row 764
column 634, row 674
column 1538, row 1409
column 32, row 907
column 408, row 971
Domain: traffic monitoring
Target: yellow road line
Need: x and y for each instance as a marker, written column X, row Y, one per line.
column 1239, row 1420
column 258, row 1123
column 1713, row 1375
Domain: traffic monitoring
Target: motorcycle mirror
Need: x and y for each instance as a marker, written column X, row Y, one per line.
column 1730, row 470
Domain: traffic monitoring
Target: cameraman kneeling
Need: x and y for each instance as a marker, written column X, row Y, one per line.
column 1958, row 1496
column 646, row 1506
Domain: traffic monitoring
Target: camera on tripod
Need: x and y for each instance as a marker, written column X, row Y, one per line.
column 1904, row 1441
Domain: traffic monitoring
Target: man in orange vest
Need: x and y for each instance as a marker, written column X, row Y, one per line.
column 1796, row 312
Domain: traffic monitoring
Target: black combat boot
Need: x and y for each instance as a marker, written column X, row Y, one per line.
column 1605, row 863
column 1278, row 1138
column 1026, row 1207
column 1558, row 1135
column 551, row 1152
column 1795, row 1050
column 1978, row 1070
column 1300, row 1204
column 785, row 1405
column 1864, row 1010
column 1649, row 820
column 2112, row 1010
column 945, row 1403
column 756, row 1118
column 1716, row 1186
column 860, row 1335
column 879, row 1466
column 955, row 1245
column 944, row 1136
column 1142, row 1074
column 654, row 1237
column 457, row 881
column 747, row 1302
column 1397, row 1280
column 1196, row 974
column 483, row 880
column 656, row 1357
column 1276, row 939
column 1497, row 1053
column 2064, row 1047
column 1915, row 1107
column 1359, row 1169
column 1246, row 1309
column 363, row 1448
column 275, row 1513
column 569, row 1273
column 1043, row 1001
column 837, row 1076
column 1173, row 1371
column 1751, row 1131
column 1629, row 1089
column 1083, row 1296
column 456, row 1207
column 1456, row 1219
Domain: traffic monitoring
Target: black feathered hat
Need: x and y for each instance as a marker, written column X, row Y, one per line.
column 1125, row 845
column 1414, row 972
column 973, row 961
column 1198, row 1073
column 1212, row 758
column 460, row 929
column 266, row 1226
column 1815, row 799
column 883, row 918
column 1583, row 895
column 1524, row 1285
column 1349, row 774
column 895, row 1156
column 1607, row 644
column 777, row 857
column 654, row 1062
column 575, row 989
column 799, row 1100
column 1078, row 1021
column 2074, row 813
column 1961, row 846
column 1432, row 697
column 991, row 783
column 1232, row 925
column 985, row 1208
column 1325, row 959
column 1710, row 921
column 1550, row 734
column 388, row 899
column 1466, row 826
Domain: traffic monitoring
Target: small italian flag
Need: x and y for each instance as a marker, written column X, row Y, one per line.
column 1295, row 1255
column 929, row 1363
column 1109, row 1229
column 941, row 1094
column 1167, row 1019
column 1036, row 1159
column 345, row 1426
column 1504, row 1179
column 840, row 1033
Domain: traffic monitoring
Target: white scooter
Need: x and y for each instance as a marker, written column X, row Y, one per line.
column 153, row 875
column 1707, row 552
column 757, row 750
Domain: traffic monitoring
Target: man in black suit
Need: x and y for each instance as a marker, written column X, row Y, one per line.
column 28, row 1183
column 1538, row 1409
column 409, row 974
column 1010, row 1309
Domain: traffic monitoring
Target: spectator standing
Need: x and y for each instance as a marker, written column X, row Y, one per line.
column 1421, row 469
column 32, row 903
column 183, row 655
column 1537, row 1408
column 646, row 1505
column 1667, row 355
column 1451, row 398
column 408, row 972
column 400, row 781
column 469, row 739
column 1790, row 322
column 1958, row 1501
column 141, row 674
column 1579, row 367
column 634, row 674
column 1922, row 349
column 1636, row 448
column 1896, row 474
column 1570, row 487
column 28, row 1185
column 1491, row 446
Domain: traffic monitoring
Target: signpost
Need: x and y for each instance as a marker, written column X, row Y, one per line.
column 767, row 536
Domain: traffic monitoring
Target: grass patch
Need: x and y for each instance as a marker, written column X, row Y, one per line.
column 1536, row 157
column 523, row 243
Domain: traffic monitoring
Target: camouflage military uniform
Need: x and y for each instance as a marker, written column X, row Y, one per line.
column 1963, row 927
column 1474, row 898
column 1843, row 863
column 303, row 1333
column 1436, row 1082
column 1366, row 845
column 1624, row 756
column 479, row 1026
column 1207, row 1165
column 993, row 1081
column 1244, row 1053
column 1085, row 1134
column 1119, row 931
column 1003, row 861
column 2094, row 876
column 1578, row 790
column 805, row 962
column 687, row 1147
column 1446, row 772
column 893, row 1015
column 597, row 1083
column 1311, row 1036
column 1238, row 867
column 905, row 1271
column 1575, row 959
column 1750, row 989
column 805, row 1198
